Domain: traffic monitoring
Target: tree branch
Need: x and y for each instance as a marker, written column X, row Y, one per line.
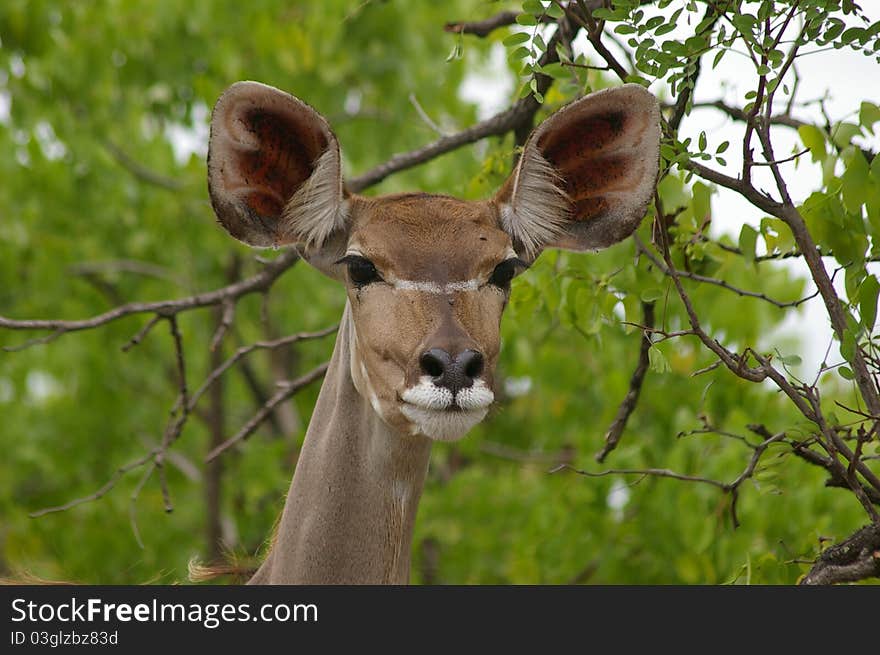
column 725, row 285
column 259, row 345
column 287, row 390
column 140, row 171
column 259, row 282
column 519, row 114
column 856, row 558
column 835, row 476
column 483, row 27
column 728, row 487
column 628, row 404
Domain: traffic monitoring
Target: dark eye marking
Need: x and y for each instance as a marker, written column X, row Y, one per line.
column 361, row 271
column 504, row 272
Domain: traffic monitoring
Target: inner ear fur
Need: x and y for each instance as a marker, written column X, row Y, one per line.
column 274, row 172
column 585, row 175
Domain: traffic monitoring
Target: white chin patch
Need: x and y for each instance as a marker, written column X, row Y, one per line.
column 433, row 413
column 442, row 424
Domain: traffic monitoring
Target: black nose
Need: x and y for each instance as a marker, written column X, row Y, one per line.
column 454, row 374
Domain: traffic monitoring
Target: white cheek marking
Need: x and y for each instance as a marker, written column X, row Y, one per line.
column 425, row 406
column 428, row 395
column 433, row 287
column 476, row 396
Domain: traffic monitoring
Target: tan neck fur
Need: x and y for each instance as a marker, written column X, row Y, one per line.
column 351, row 508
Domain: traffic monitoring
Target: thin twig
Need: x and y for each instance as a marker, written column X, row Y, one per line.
column 649, row 472
column 724, row 285
column 226, row 319
column 259, row 345
column 126, row 266
column 117, row 474
column 628, row 404
column 140, row 171
column 424, row 115
column 511, row 119
column 142, row 333
column 287, row 390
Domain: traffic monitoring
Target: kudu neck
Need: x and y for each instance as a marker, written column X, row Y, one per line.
column 351, row 508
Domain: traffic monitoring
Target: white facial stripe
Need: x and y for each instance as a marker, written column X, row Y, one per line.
column 433, row 287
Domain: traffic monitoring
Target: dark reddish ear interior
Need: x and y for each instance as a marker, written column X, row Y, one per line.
column 602, row 152
column 263, row 148
column 582, row 149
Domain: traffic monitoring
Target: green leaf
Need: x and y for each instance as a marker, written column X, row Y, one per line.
column 868, row 301
column 516, row 38
column 843, row 133
column 651, row 294
column 748, row 240
column 853, row 278
column 555, row 70
column 855, row 183
column 654, row 22
column 852, row 34
column 701, row 205
column 834, row 28
column 869, row 113
column 533, row 7
column 848, row 345
column 657, row 360
column 455, row 53
column 845, row 373
column 554, row 10
column 673, row 193
column 814, row 139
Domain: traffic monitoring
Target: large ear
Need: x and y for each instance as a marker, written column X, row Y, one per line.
column 274, row 169
column 586, row 174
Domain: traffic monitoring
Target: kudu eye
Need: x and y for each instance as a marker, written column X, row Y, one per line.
column 504, row 272
column 361, row 271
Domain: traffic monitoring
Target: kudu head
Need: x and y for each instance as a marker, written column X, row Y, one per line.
column 428, row 276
